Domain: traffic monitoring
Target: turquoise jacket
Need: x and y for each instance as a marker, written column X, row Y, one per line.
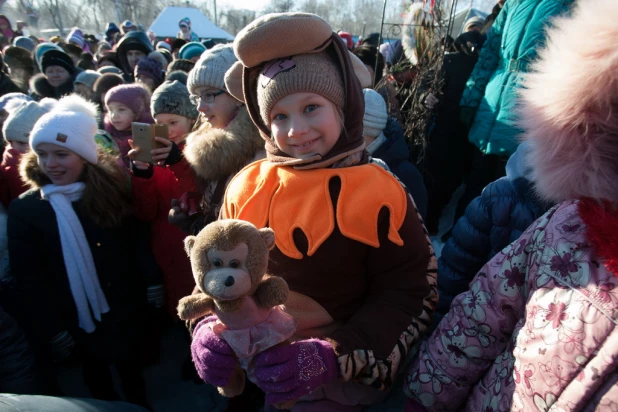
column 512, row 44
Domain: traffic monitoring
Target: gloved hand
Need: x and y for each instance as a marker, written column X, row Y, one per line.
column 214, row 359
column 179, row 218
column 288, row 372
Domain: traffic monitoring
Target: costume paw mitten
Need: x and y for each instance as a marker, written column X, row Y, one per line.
column 288, row 372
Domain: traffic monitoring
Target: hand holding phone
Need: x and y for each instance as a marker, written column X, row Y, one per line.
column 144, row 141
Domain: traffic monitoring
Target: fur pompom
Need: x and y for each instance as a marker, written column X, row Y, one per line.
column 569, row 106
column 76, row 103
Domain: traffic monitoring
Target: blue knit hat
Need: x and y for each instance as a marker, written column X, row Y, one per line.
column 191, row 50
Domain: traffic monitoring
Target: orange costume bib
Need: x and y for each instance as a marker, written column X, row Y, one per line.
column 284, row 199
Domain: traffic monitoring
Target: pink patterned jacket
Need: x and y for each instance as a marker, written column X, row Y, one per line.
column 536, row 331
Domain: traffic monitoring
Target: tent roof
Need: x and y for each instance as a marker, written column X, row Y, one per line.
column 166, row 24
column 461, row 17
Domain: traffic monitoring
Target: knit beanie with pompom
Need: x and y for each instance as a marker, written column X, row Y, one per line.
column 71, row 124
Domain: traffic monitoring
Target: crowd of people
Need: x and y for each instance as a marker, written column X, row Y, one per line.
column 295, row 128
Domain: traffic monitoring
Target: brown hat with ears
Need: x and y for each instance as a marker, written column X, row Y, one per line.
column 305, row 40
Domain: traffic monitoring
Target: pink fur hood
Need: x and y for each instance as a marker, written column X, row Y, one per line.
column 569, row 106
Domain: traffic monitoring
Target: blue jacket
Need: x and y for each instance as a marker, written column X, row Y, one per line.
column 512, row 44
column 394, row 152
column 492, row 221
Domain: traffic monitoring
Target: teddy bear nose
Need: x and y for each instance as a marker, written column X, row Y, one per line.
column 229, row 281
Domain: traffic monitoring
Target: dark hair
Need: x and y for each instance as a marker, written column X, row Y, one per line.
column 368, row 55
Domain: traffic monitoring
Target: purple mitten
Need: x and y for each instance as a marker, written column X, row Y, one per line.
column 214, row 359
column 289, row 371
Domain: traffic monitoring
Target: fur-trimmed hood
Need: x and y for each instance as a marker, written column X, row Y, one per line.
column 41, row 87
column 569, row 108
column 216, row 153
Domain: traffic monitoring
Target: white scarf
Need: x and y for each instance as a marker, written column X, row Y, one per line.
column 78, row 261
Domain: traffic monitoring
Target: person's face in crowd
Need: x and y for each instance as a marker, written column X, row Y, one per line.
column 21, row 147
column 84, row 91
column 474, row 28
column 3, row 24
column 195, row 58
column 56, row 75
column 120, row 116
column 178, row 126
column 146, row 81
column 184, row 29
column 134, row 56
column 305, row 124
column 59, row 164
column 219, row 111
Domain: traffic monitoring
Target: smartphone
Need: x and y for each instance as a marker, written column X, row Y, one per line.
column 144, row 139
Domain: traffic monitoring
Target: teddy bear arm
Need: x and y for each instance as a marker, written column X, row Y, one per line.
column 272, row 291
column 195, row 306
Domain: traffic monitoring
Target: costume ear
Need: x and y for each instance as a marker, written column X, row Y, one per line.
column 269, row 237
column 189, row 242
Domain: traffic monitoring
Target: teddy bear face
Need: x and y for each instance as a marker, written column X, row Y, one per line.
column 228, row 277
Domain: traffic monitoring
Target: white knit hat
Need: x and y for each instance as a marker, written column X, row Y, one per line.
column 210, row 69
column 23, row 116
column 376, row 115
column 71, row 124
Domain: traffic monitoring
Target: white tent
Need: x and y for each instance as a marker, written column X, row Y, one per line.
column 166, row 24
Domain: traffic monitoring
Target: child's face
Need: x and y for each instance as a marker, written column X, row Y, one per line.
column 304, row 124
column 60, row 165
column 120, row 116
column 21, row 147
column 178, row 126
column 220, row 111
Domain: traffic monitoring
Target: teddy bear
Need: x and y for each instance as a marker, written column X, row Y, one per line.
column 229, row 259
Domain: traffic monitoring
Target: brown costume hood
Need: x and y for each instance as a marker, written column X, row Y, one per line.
column 270, row 37
column 216, row 153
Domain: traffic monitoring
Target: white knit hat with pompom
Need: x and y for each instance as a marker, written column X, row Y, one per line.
column 71, row 124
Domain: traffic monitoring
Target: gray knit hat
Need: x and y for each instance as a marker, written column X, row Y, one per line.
column 22, row 118
column 210, row 69
column 87, row 77
column 173, row 98
column 315, row 73
column 376, row 116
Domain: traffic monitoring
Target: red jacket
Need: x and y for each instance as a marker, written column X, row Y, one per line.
column 11, row 185
column 152, row 202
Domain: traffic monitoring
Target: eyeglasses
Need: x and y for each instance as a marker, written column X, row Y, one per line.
column 207, row 98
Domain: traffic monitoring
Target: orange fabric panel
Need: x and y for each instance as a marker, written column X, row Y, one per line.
column 287, row 199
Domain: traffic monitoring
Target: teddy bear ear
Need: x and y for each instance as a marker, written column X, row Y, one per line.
column 269, row 237
column 189, row 242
